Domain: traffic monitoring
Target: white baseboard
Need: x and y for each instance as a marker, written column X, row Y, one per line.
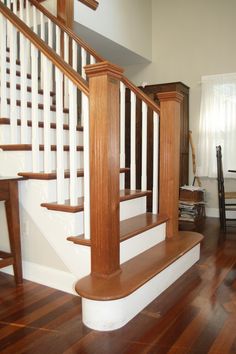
column 51, row 277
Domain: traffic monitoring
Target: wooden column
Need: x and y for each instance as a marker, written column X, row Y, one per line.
column 169, row 158
column 65, row 12
column 104, row 83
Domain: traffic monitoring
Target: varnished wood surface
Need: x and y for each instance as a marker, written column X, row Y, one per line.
column 28, row 147
column 128, row 228
column 53, row 175
column 93, row 4
column 138, row 270
column 124, row 195
column 196, row 315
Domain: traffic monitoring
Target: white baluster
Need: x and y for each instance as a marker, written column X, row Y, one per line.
column 3, row 76
column 35, row 25
column 59, row 137
column 46, row 115
column 15, row 7
column 74, row 55
column 9, row 3
column 144, row 147
column 122, row 133
column 13, row 110
column 92, row 60
column 72, row 137
column 34, row 111
column 21, row 4
column 85, row 109
column 50, row 43
column 155, row 163
column 42, row 26
column 66, row 58
column 83, row 62
column 58, row 40
column 133, row 142
column 27, row 9
column 23, row 90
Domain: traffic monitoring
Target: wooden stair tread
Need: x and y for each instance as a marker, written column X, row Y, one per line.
column 129, row 227
column 6, row 121
column 40, row 106
column 66, row 207
column 139, row 270
column 53, row 175
column 28, row 147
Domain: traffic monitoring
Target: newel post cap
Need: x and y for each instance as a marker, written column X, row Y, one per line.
column 104, row 68
column 170, row 96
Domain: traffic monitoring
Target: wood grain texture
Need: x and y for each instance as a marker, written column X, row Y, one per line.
column 138, row 270
column 28, row 147
column 196, row 315
column 65, row 12
column 93, row 4
column 80, row 202
column 104, row 167
column 45, row 49
column 169, row 158
column 129, row 227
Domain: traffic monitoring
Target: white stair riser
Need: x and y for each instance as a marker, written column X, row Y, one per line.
column 142, row 242
column 21, row 161
column 133, row 207
column 5, row 136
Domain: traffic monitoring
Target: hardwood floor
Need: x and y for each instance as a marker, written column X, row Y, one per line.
column 195, row 315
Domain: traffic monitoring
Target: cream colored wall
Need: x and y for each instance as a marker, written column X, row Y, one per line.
column 126, row 22
column 190, row 39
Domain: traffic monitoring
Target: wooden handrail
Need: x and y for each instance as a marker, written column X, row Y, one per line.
column 93, row 4
column 67, row 30
column 141, row 95
column 46, row 50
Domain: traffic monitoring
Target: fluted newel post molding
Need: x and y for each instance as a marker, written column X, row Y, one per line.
column 169, row 158
column 104, row 82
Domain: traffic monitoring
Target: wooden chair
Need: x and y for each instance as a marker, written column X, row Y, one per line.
column 222, row 195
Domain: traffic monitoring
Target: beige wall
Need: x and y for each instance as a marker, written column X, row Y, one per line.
column 190, row 39
column 126, row 22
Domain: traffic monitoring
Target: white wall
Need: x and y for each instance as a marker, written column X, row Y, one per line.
column 126, row 22
column 190, row 39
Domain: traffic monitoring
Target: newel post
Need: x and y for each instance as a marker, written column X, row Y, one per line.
column 169, row 158
column 104, row 83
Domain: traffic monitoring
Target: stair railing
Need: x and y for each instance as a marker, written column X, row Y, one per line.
column 11, row 28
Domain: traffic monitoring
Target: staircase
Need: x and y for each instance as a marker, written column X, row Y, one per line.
column 64, row 116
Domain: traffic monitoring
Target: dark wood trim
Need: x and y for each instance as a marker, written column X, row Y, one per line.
column 169, row 158
column 128, row 228
column 139, row 270
column 65, row 68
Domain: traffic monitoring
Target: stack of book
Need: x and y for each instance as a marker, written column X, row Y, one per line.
column 191, row 204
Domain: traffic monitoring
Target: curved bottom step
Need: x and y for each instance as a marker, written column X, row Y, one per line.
column 116, row 300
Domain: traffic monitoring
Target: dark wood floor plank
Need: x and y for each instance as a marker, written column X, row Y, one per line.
column 196, row 315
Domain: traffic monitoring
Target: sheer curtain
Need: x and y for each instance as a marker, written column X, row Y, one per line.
column 217, row 124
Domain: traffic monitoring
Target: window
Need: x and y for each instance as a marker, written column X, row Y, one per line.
column 217, row 124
